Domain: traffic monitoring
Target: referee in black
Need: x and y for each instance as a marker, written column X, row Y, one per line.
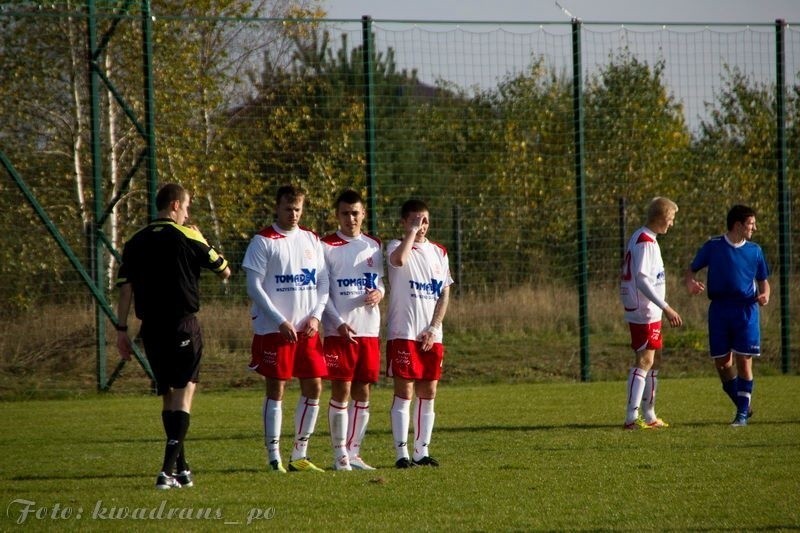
column 160, row 270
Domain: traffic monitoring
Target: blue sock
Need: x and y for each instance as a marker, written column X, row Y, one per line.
column 743, row 396
column 731, row 388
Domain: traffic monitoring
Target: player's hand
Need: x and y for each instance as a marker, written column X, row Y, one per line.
column 373, row 297
column 312, row 327
column 124, row 345
column 428, row 337
column 417, row 222
column 286, row 329
column 694, row 286
column 427, row 340
column 347, row 332
column 673, row 317
column 762, row 299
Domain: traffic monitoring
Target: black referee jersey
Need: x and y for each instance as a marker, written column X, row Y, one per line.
column 163, row 261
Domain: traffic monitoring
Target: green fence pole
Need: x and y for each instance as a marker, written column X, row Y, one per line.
column 149, row 108
column 784, row 242
column 580, row 196
column 369, row 120
column 96, row 266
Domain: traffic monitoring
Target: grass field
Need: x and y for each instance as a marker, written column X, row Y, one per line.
column 514, row 457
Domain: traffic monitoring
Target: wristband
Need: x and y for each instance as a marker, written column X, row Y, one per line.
column 434, row 330
column 120, row 328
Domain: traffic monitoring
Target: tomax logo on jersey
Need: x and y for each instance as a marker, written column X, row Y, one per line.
column 367, row 282
column 433, row 287
column 306, row 278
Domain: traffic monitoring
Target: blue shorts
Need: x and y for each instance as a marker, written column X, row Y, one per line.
column 733, row 327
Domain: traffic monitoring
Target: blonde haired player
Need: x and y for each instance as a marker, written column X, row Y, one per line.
column 643, row 292
column 288, row 284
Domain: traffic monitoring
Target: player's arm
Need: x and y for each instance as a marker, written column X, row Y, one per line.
column 399, row 255
column 256, row 292
column 645, row 286
column 763, row 292
column 434, row 329
column 311, row 327
column 692, row 285
column 123, row 309
column 331, row 315
column 376, row 293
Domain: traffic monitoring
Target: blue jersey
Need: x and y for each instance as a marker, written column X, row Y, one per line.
column 732, row 270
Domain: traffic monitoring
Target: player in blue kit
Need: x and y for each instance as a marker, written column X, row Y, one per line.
column 736, row 285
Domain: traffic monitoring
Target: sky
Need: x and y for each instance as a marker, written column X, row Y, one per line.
column 695, row 58
column 663, row 11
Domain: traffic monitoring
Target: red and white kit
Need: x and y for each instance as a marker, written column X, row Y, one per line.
column 415, row 289
column 643, row 282
column 355, row 266
column 295, row 278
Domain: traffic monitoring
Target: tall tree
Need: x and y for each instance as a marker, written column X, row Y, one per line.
column 636, row 145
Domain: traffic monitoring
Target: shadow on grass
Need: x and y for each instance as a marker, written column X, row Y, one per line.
column 89, row 476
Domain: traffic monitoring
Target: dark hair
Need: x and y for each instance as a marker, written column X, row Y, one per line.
column 413, row 206
column 348, row 196
column 291, row 193
column 170, row 192
column 739, row 213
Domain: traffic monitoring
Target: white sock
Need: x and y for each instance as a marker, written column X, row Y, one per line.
column 305, row 419
column 357, row 419
column 400, row 420
column 423, row 426
column 337, row 422
column 649, row 396
column 635, row 390
column 272, row 415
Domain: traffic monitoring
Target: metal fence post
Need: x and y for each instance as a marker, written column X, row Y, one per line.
column 580, row 196
column 369, row 121
column 784, row 229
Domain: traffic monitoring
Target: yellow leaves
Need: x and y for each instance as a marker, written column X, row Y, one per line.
column 305, row 22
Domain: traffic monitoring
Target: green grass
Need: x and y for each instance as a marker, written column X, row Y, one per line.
column 514, row 457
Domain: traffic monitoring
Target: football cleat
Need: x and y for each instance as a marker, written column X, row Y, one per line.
column 342, row 464
column 185, row 479
column 357, row 463
column 303, row 465
column 404, row 462
column 657, row 423
column 165, row 482
column 739, row 421
column 276, row 466
column 426, row 461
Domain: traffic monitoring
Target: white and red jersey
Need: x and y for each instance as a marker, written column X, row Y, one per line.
column 643, row 282
column 295, row 279
column 355, row 266
column 415, row 288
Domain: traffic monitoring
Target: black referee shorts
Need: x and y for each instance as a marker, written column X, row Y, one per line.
column 174, row 352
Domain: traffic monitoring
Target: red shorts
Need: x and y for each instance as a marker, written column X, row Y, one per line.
column 273, row 356
column 646, row 336
column 353, row 361
column 405, row 359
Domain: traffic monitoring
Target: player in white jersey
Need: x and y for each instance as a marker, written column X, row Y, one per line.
column 351, row 323
column 288, row 284
column 642, row 290
column 419, row 275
